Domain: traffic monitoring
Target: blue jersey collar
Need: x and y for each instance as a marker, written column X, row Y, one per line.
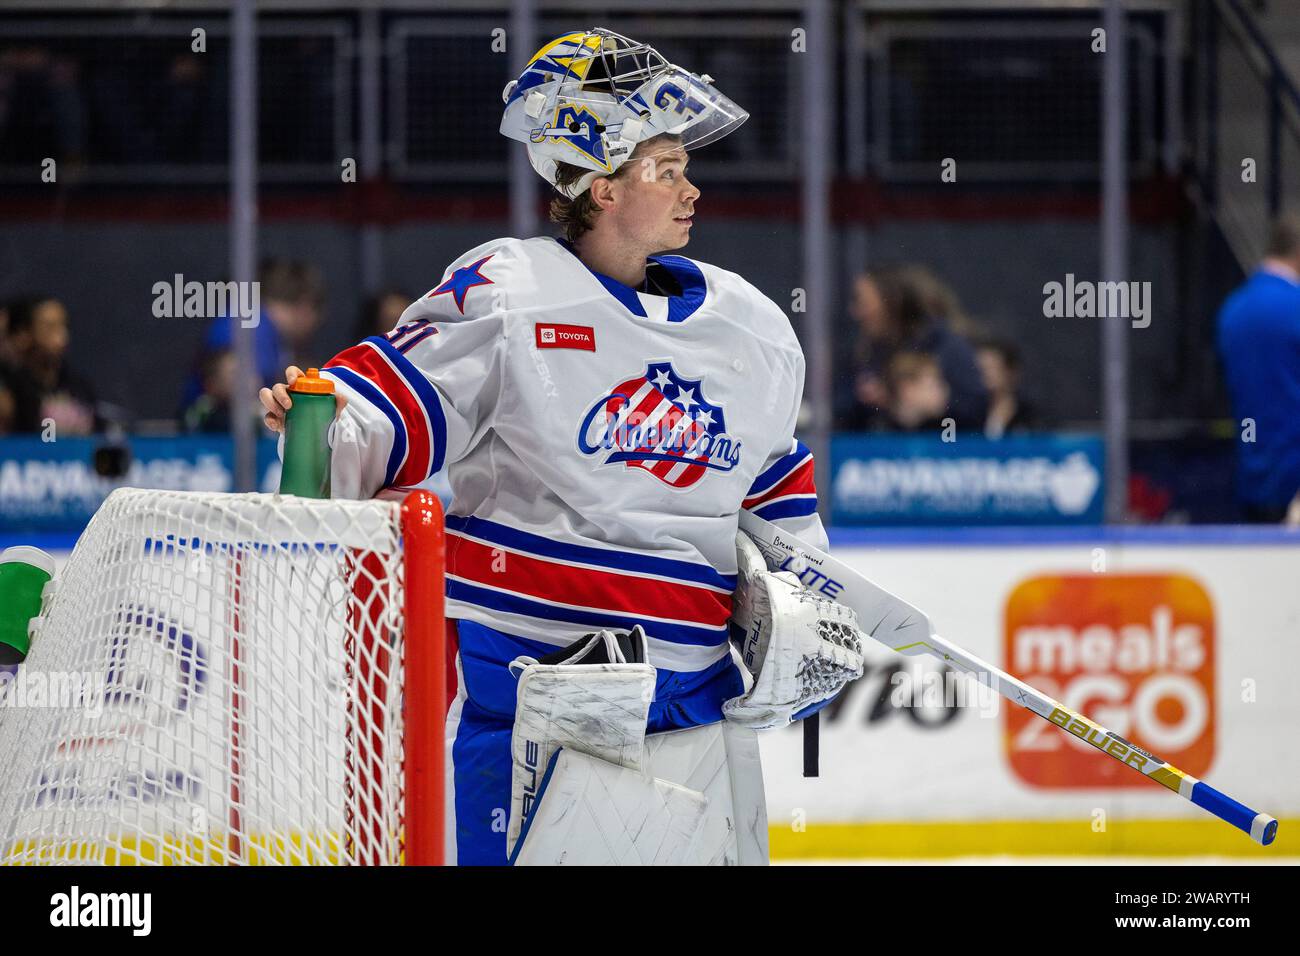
column 680, row 307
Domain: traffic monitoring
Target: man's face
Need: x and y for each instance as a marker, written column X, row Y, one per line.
column 221, row 382
column 296, row 321
column 921, row 397
column 653, row 199
column 50, row 329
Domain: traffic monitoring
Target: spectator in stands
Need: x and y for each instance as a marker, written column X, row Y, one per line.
column 939, row 301
column 47, row 390
column 379, row 313
column 291, row 295
column 999, row 362
column 1259, row 343
column 7, row 357
column 8, row 407
column 918, row 393
column 210, row 412
column 890, row 309
column 8, row 376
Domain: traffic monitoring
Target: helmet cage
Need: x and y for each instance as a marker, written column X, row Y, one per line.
column 589, row 99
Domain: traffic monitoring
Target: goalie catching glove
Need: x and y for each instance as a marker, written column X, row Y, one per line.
column 802, row 649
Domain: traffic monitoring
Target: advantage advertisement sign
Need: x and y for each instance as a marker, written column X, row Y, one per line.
column 922, row 479
column 56, row 486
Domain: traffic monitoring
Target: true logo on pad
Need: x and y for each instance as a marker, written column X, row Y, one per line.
column 565, row 337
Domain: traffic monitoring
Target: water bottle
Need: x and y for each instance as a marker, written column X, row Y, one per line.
column 306, row 469
column 24, row 572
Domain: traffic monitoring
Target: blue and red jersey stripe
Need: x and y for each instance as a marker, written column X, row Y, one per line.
column 380, row 372
column 501, row 568
column 786, row 489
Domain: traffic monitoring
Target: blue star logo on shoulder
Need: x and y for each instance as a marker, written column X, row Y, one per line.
column 461, row 281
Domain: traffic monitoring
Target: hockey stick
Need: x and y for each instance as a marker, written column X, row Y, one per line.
column 902, row 628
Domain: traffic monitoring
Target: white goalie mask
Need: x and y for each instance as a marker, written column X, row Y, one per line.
column 589, row 98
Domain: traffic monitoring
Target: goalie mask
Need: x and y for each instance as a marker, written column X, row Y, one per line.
column 589, row 98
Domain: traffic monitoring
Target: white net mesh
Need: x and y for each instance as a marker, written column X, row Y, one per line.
column 215, row 679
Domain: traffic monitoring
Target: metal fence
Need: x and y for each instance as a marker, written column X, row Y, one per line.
column 1017, row 99
column 1250, row 157
column 129, row 100
column 125, row 97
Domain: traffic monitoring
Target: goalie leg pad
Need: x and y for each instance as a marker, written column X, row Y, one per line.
column 721, row 761
column 598, row 709
column 698, row 801
column 592, row 813
column 749, row 799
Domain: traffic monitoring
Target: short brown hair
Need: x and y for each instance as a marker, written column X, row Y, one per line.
column 1284, row 239
column 907, row 367
column 903, row 299
column 288, row 280
column 575, row 216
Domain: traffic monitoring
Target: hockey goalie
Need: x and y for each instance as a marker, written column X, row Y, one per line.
column 603, row 411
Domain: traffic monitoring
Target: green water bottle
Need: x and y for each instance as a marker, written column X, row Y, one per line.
column 306, row 469
column 24, row 572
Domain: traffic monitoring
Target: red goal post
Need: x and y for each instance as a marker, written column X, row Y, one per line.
column 425, row 701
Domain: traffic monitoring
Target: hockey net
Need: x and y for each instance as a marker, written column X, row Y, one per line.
column 233, row 679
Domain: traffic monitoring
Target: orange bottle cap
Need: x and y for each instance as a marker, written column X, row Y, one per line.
column 312, row 384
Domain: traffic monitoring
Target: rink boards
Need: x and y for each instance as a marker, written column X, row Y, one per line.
column 1183, row 642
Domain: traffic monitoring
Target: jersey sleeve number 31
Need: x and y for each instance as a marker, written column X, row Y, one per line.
column 406, row 337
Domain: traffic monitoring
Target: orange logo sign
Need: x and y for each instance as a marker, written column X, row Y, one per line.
column 1134, row 652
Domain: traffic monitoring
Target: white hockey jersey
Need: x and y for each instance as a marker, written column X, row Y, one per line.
column 599, row 441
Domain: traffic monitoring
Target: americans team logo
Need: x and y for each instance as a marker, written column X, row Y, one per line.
column 660, row 423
